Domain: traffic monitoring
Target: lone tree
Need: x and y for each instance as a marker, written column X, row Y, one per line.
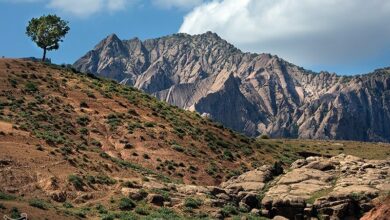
column 47, row 32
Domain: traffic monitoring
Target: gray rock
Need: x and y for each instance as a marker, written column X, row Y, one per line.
column 251, row 93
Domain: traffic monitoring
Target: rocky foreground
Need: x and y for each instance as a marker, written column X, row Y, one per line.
column 341, row 187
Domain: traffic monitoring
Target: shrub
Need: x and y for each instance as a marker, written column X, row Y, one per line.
column 83, row 120
column 37, row 203
column 84, row 131
column 31, row 87
column 68, row 205
column 108, row 217
column 76, row 181
column 128, row 184
column 264, row 136
column 131, row 127
column 2, row 206
column 228, row 210
column 126, row 204
column 114, row 120
column 150, row 124
column 83, row 104
column 101, row 179
column 91, row 95
column 132, row 112
column 146, row 156
column 192, row 203
column 212, row 169
column 142, row 210
column 15, row 213
column 177, row 148
column 101, row 209
column 5, row 196
column 227, row 155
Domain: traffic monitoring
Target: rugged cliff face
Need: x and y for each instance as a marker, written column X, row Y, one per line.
column 252, row 93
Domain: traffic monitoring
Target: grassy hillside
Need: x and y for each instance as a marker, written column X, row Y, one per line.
column 64, row 131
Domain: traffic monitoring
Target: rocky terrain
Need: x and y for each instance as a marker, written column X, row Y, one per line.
column 251, row 93
column 73, row 146
column 340, row 187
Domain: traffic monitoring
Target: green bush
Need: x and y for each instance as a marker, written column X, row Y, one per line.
column 83, row 120
column 126, row 204
column 143, row 210
column 227, row 155
column 192, row 203
column 67, row 205
column 5, row 196
column 15, row 213
column 84, row 131
column 114, row 120
column 37, row 203
column 177, row 148
column 228, row 210
column 76, row 181
column 101, row 209
column 101, row 179
column 31, row 87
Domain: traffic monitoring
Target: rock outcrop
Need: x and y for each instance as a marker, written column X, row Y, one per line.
column 252, row 93
column 340, row 187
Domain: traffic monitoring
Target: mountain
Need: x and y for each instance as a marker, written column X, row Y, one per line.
column 76, row 146
column 250, row 93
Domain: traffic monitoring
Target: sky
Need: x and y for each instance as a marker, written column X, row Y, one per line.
column 342, row 36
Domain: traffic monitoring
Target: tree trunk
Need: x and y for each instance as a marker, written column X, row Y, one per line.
column 44, row 55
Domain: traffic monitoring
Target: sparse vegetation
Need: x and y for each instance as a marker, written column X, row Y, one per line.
column 38, row 203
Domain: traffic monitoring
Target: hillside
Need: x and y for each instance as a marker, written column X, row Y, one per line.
column 76, row 146
column 250, row 93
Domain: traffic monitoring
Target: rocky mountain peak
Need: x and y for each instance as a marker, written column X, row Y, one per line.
column 269, row 95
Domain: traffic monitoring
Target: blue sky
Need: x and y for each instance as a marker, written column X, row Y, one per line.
column 143, row 21
column 342, row 36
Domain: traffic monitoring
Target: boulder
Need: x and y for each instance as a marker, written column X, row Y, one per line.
column 135, row 194
column 254, row 180
column 251, row 200
column 255, row 212
column 322, row 165
column 279, row 217
column 58, row 196
column 155, row 199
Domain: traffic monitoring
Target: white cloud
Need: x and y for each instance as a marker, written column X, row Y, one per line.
column 85, row 8
column 80, row 8
column 308, row 32
column 181, row 4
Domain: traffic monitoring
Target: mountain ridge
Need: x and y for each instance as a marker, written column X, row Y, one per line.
column 270, row 95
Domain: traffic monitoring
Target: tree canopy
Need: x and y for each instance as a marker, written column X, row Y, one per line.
column 47, row 31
